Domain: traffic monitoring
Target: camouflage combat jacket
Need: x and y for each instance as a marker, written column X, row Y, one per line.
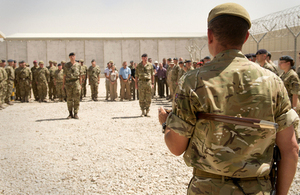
column 270, row 67
column 42, row 75
column 180, row 73
column 72, row 72
column 52, row 72
column 3, row 77
column 24, row 74
column 33, row 69
column 94, row 73
column 83, row 71
column 10, row 73
column 174, row 74
column 230, row 85
column 291, row 82
column 59, row 76
column 144, row 72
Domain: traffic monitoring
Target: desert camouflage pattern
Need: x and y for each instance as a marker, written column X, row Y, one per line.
column 59, row 76
column 180, row 73
column 3, row 80
column 292, row 85
column 52, row 89
column 10, row 82
column 24, row 78
column 17, row 84
column 270, row 67
column 174, row 77
column 169, row 82
column 72, row 85
column 209, row 186
column 93, row 74
column 230, row 85
column 144, row 74
column 83, row 74
column 42, row 77
column 34, row 85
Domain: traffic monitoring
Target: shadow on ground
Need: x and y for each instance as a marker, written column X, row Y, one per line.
column 51, row 119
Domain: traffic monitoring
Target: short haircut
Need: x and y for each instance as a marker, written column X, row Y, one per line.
column 229, row 30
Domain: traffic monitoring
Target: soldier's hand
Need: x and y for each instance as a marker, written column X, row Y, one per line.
column 152, row 86
column 162, row 115
column 98, row 82
column 136, row 87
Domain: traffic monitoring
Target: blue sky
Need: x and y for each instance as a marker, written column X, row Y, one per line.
column 115, row 16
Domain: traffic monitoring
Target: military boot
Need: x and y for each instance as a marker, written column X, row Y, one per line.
column 76, row 116
column 143, row 113
column 147, row 112
column 9, row 103
column 70, row 115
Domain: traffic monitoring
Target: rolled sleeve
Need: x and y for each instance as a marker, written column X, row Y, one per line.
column 180, row 126
column 287, row 119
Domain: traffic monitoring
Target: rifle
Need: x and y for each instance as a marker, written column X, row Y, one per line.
column 248, row 122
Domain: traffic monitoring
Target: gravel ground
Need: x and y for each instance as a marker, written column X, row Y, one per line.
column 109, row 150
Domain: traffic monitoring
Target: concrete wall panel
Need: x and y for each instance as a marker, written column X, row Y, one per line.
column 77, row 47
column 94, row 50
column 130, row 50
column 150, row 47
column 56, row 50
column 166, row 48
column 17, row 50
column 3, row 50
column 112, row 51
column 181, row 50
column 36, row 51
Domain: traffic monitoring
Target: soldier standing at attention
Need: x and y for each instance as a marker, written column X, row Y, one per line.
column 24, row 78
column 3, row 83
column 72, row 83
column 188, row 64
column 181, row 71
column 18, row 97
column 94, row 79
column 58, row 82
column 10, row 81
column 83, row 75
column 169, row 73
column 261, row 58
column 34, row 85
column 42, row 77
column 51, row 86
column 63, row 64
column 125, row 74
column 229, row 158
column 174, row 75
column 145, row 82
column 132, row 80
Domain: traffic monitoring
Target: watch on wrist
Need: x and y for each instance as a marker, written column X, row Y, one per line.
column 164, row 125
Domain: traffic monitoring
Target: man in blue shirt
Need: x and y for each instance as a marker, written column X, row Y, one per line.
column 124, row 75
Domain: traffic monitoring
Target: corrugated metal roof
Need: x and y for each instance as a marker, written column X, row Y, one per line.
column 102, row 35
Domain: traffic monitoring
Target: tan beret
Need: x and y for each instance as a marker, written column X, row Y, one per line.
column 171, row 62
column 81, row 60
column 229, row 9
column 111, row 61
column 50, row 61
column 54, row 62
column 63, row 62
column 41, row 62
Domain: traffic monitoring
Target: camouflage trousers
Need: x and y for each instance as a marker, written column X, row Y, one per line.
column 9, row 90
column 52, row 90
column 94, row 89
column 25, row 89
column 144, row 94
column 107, row 87
column 125, row 90
column 83, row 88
column 35, row 90
column 42, row 90
column 2, row 92
column 18, row 96
column 132, row 89
column 73, row 95
column 155, row 88
column 60, row 92
column 203, row 185
column 171, row 88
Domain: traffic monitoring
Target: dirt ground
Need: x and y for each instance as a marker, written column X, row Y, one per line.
column 109, row 150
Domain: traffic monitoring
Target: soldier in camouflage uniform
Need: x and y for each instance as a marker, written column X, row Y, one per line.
column 72, row 83
column 291, row 83
column 188, row 64
column 144, row 83
column 83, row 75
column 132, row 80
column 18, row 96
column 58, row 82
column 34, row 86
column 261, row 58
column 174, row 77
column 41, row 78
column 169, row 73
column 94, row 79
column 180, row 71
column 10, row 81
column 24, row 78
column 3, row 83
column 229, row 158
column 51, row 85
